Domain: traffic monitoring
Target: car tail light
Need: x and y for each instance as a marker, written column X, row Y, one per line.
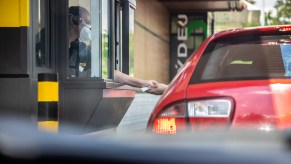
column 171, row 120
column 197, row 114
column 209, row 114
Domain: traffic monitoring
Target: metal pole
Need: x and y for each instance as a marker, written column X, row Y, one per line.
column 263, row 13
column 112, row 40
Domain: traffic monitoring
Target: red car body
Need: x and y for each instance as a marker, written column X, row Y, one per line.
column 258, row 102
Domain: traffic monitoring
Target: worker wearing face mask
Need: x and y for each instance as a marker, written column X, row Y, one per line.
column 80, row 53
column 80, row 42
column 85, row 33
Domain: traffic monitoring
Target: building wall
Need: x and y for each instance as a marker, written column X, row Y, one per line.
column 151, row 41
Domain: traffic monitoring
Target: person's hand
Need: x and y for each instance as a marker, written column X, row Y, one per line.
column 157, row 89
column 150, row 83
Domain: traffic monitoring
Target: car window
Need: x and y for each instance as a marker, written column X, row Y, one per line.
column 259, row 57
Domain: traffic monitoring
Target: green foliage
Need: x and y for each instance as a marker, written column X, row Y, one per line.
column 105, row 55
column 252, row 24
column 251, row 1
column 283, row 10
column 131, row 54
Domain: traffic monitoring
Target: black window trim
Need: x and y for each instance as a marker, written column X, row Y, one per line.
column 48, row 39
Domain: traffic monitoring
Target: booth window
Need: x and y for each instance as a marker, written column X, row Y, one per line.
column 88, row 39
column 127, row 28
column 131, row 40
column 43, row 58
column 118, row 37
column 100, row 35
column 105, row 39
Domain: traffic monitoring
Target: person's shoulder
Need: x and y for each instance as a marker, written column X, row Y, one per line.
column 77, row 43
column 74, row 43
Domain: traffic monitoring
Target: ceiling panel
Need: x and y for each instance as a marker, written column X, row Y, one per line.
column 203, row 5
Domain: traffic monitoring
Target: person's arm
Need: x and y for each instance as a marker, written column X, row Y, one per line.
column 122, row 78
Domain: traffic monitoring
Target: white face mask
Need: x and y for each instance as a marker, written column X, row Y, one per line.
column 85, row 33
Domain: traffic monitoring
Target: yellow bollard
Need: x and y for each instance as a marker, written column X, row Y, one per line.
column 48, row 97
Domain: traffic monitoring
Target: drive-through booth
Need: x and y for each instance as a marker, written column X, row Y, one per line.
column 35, row 79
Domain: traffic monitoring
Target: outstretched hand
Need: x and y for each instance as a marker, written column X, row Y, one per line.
column 157, row 89
column 150, row 83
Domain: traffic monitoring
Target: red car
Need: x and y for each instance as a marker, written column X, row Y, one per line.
column 237, row 79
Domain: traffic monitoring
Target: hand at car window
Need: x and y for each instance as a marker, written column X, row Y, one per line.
column 149, row 83
column 157, row 89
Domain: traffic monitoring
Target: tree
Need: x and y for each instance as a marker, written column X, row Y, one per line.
column 251, row 1
column 283, row 10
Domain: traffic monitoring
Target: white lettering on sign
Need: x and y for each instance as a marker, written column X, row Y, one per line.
column 182, row 37
column 182, row 50
column 179, row 65
column 182, row 29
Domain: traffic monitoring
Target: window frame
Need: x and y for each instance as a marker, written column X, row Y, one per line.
column 49, row 48
column 58, row 46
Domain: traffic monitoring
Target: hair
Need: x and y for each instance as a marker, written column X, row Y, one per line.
column 76, row 13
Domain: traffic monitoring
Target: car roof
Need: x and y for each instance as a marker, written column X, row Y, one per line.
column 260, row 30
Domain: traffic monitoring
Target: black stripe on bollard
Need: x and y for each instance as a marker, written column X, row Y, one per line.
column 47, row 77
column 47, row 111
